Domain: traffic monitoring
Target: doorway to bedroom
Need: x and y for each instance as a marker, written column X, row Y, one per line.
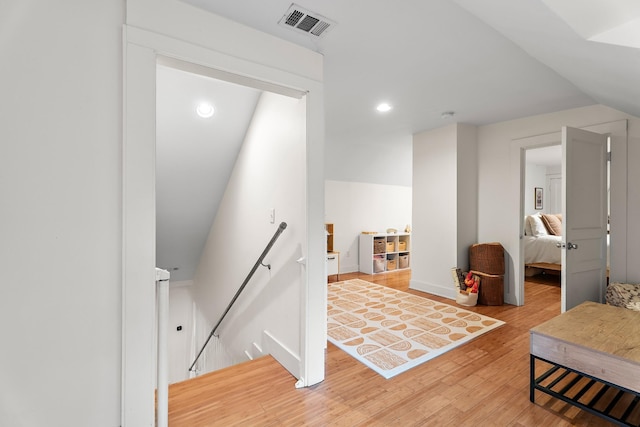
column 610, row 252
column 543, row 212
column 543, row 221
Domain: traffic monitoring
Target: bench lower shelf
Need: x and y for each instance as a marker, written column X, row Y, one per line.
column 609, row 401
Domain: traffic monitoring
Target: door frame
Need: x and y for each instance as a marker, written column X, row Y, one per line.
column 141, row 51
column 617, row 130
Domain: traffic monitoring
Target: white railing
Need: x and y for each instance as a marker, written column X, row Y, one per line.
column 162, row 394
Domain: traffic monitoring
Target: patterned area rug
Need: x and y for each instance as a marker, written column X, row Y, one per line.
column 391, row 331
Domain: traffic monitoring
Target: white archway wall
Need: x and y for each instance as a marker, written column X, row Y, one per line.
column 498, row 185
column 254, row 55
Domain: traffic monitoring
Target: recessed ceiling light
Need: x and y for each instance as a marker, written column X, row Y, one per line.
column 205, row 110
column 384, row 107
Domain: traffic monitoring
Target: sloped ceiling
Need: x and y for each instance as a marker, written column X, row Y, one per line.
column 486, row 60
column 194, row 159
column 607, row 73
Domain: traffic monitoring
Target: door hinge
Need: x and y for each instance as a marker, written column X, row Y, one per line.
column 608, row 156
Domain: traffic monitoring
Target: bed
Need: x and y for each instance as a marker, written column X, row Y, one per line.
column 542, row 234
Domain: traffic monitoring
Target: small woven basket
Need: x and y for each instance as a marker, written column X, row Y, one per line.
column 468, row 300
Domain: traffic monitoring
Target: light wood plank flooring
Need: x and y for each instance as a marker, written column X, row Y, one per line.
column 482, row 383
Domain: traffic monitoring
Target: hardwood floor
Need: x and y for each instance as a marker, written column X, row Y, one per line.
column 482, row 383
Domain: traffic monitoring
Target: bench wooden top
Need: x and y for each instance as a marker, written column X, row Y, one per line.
column 600, row 327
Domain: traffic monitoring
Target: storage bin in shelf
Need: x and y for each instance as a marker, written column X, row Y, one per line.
column 392, row 262
column 379, row 253
column 379, row 245
column 403, row 243
column 403, row 260
column 378, row 264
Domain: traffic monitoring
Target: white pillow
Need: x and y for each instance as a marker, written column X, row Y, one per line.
column 527, row 226
column 537, row 227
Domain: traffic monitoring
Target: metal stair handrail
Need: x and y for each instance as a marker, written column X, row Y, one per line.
column 279, row 231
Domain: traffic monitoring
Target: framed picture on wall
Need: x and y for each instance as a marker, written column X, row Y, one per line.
column 538, row 198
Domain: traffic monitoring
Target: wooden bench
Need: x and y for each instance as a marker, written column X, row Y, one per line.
column 594, row 353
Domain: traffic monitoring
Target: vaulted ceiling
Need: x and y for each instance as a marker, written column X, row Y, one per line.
column 485, row 60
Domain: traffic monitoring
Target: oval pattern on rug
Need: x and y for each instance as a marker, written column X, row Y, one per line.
column 392, row 311
column 355, row 342
column 401, row 346
column 459, row 324
column 414, row 354
column 446, row 308
column 406, row 317
column 367, row 348
column 442, row 330
column 376, row 317
column 412, row 332
column 399, row 327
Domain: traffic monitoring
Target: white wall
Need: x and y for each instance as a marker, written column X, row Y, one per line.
column 60, row 180
column 174, row 29
column 444, row 206
column 498, row 215
column 535, row 176
column 269, row 174
column 385, row 161
column 354, row 207
column 180, row 343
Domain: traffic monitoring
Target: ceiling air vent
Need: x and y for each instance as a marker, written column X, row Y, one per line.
column 300, row 19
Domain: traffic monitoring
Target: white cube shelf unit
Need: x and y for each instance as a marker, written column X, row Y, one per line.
column 380, row 253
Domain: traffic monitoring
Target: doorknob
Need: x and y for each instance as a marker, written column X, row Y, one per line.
column 569, row 245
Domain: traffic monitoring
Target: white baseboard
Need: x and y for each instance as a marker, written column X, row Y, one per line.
column 349, row 268
column 256, row 351
column 442, row 291
column 284, row 356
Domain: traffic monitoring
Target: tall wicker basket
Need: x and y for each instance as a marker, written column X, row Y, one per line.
column 487, row 261
column 487, row 258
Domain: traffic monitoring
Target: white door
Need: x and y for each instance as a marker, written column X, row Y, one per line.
column 584, row 213
column 554, row 184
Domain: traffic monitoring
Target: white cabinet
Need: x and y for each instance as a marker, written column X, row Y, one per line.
column 380, row 253
column 333, row 257
column 333, row 263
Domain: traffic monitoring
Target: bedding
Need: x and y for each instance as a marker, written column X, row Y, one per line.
column 540, row 240
column 542, row 248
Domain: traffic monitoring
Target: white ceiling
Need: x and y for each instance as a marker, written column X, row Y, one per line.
column 194, row 158
column 486, row 60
